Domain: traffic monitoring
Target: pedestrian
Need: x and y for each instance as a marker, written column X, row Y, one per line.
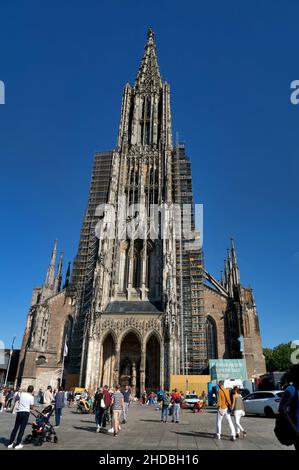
column 238, row 409
column 165, row 404
column 107, row 399
column 16, row 400
column 176, row 406
column 26, row 403
column 144, row 398
column 8, row 399
column 224, row 410
column 127, row 400
column 99, row 408
column 117, row 405
column 2, row 399
column 204, row 398
column 289, row 405
column 70, row 399
column 59, row 405
column 48, row 396
column 40, row 397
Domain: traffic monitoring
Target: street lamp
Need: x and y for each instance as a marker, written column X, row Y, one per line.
column 9, row 360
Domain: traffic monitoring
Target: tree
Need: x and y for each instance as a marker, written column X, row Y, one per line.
column 278, row 358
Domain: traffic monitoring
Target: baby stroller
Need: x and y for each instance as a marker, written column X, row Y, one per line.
column 83, row 406
column 42, row 429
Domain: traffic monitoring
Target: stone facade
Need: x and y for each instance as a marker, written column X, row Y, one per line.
column 49, row 323
column 140, row 306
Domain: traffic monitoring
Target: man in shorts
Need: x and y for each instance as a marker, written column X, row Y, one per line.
column 117, row 405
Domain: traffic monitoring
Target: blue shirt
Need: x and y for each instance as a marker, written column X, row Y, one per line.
column 291, row 389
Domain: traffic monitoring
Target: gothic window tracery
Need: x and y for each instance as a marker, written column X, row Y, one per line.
column 211, row 336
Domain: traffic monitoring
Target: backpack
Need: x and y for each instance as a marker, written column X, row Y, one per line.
column 283, row 430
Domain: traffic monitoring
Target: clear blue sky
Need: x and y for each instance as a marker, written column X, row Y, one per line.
column 229, row 65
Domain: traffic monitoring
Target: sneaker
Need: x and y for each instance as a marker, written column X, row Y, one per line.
column 98, row 429
column 218, row 436
column 11, row 446
column 233, row 438
column 20, row 446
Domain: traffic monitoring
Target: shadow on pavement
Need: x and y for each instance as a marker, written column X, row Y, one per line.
column 4, row 441
column 208, row 435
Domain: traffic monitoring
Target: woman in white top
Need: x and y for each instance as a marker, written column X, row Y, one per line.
column 48, row 396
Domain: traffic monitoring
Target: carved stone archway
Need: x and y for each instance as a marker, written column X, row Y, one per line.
column 153, row 364
column 108, row 362
column 130, row 362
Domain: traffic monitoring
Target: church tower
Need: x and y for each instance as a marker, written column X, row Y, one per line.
column 132, row 330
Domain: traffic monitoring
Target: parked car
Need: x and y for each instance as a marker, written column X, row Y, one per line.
column 190, row 400
column 244, row 392
column 263, row 403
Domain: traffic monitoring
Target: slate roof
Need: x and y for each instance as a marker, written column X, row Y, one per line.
column 139, row 306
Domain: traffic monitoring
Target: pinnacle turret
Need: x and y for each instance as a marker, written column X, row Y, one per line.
column 50, row 276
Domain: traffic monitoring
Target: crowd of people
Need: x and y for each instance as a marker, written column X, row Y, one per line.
column 111, row 407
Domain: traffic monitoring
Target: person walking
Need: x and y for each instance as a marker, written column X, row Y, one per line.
column 224, row 409
column 176, row 406
column 99, row 408
column 165, row 404
column 58, row 406
column 107, row 399
column 48, row 396
column 26, row 403
column 238, row 409
column 117, row 405
column 289, row 405
column 127, row 400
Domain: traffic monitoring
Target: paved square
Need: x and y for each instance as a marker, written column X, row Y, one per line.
column 145, row 431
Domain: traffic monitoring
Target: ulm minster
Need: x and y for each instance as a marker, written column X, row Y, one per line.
column 137, row 310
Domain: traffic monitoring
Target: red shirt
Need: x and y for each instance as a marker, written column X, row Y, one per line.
column 107, row 398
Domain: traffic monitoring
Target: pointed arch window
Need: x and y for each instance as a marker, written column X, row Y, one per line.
column 211, row 337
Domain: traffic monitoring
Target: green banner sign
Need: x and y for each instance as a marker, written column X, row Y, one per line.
column 221, row 369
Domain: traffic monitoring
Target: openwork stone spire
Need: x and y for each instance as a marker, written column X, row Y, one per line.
column 148, row 77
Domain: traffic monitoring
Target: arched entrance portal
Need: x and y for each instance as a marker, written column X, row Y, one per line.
column 152, row 372
column 130, row 357
column 108, row 361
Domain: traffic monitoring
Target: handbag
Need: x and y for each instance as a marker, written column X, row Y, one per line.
column 102, row 403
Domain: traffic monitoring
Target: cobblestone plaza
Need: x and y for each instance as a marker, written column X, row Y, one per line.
column 144, row 431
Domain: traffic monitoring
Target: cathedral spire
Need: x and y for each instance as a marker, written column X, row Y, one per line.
column 58, row 278
column 51, row 269
column 229, row 273
column 235, row 267
column 148, row 77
